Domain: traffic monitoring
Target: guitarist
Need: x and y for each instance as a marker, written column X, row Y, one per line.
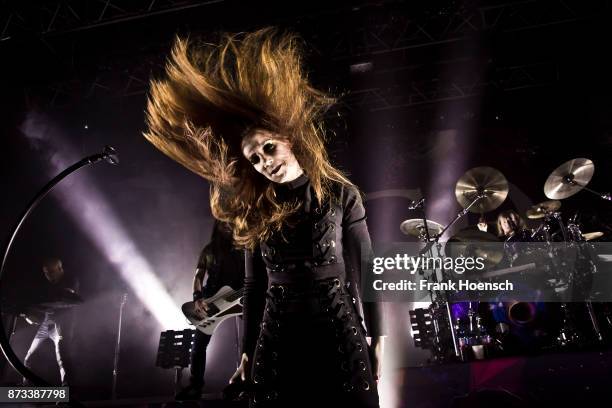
column 56, row 324
column 220, row 264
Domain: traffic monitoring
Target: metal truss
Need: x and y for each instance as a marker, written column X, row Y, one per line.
column 46, row 18
column 134, row 81
column 372, row 29
column 505, row 79
column 107, row 83
column 393, row 30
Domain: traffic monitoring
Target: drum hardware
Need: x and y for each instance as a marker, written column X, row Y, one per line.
column 543, row 229
column 540, row 210
column 452, row 331
column 428, row 330
column 481, row 189
column 505, row 271
column 570, row 178
column 420, row 228
column 594, row 321
column 473, row 333
column 555, row 217
column 521, row 313
column 568, row 335
column 475, row 243
column 589, row 236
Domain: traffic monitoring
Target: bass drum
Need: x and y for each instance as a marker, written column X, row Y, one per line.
column 525, row 327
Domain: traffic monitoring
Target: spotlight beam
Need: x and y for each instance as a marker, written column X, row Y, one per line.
column 98, row 220
column 4, row 341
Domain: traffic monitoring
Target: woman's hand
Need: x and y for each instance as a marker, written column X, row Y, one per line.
column 242, row 370
column 201, row 308
column 377, row 350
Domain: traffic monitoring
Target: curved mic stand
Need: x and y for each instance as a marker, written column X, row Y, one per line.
column 110, row 156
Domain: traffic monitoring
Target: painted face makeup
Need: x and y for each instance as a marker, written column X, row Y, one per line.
column 271, row 156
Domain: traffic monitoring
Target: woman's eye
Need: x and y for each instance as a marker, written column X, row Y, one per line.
column 254, row 160
column 269, row 147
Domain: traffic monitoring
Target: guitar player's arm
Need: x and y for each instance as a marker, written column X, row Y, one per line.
column 199, row 279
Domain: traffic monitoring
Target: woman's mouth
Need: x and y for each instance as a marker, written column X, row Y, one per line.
column 276, row 169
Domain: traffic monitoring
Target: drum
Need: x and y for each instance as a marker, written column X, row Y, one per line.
column 473, row 338
column 525, row 327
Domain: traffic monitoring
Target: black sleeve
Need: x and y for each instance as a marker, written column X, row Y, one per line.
column 255, row 284
column 356, row 239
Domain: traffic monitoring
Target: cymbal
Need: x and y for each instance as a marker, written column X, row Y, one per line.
column 545, row 207
column 485, row 180
column 569, row 178
column 589, row 236
column 416, row 227
column 474, row 243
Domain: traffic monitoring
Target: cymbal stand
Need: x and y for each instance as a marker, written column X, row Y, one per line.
column 569, row 179
column 439, row 296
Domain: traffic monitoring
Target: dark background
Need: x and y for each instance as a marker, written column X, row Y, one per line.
column 519, row 86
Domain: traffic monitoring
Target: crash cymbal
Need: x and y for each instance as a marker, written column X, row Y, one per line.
column 474, row 243
column 416, row 227
column 545, row 207
column 589, row 236
column 569, row 178
column 485, row 180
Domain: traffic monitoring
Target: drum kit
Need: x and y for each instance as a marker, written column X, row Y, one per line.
column 455, row 329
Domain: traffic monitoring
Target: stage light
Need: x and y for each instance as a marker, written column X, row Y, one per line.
column 92, row 212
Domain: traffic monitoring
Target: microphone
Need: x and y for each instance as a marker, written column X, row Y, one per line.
column 110, row 155
column 416, row 204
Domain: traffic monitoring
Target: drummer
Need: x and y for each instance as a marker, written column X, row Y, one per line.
column 511, row 225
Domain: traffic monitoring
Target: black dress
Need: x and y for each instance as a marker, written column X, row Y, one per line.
column 310, row 348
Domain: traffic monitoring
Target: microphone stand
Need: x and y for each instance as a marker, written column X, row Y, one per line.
column 110, row 156
column 439, row 298
column 117, row 347
column 428, row 250
column 461, row 214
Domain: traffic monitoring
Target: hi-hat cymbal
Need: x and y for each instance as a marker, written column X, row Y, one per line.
column 569, row 178
column 485, row 180
column 589, row 236
column 416, row 227
column 545, row 207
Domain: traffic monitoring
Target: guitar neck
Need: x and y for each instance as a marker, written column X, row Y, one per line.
column 236, row 295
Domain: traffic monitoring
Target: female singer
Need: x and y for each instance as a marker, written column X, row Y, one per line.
column 242, row 114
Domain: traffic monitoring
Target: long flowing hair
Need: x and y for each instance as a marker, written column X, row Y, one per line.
column 212, row 95
column 514, row 218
